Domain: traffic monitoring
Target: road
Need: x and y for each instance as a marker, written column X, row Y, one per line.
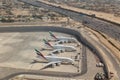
column 96, row 24
column 84, row 60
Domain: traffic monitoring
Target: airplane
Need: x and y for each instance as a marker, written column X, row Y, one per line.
column 61, row 39
column 59, row 48
column 53, row 60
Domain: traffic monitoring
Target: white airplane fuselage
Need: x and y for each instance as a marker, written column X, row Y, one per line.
column 66, row 48
column 67, row 39
column 55, row 58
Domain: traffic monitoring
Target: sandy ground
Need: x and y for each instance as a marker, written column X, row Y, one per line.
column 103, row 15
column 35, row 77
column 37, row 23
column 20, row 12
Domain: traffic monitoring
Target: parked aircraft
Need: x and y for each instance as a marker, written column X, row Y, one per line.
column 62, row 39
column 53, row 60
column 59, row 48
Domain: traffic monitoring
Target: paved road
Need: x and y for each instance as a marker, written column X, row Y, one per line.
column 84, row 60
column 99, row 25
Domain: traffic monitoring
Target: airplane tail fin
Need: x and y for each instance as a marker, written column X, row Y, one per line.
column 40, row 54
column 52, row 35
column 47, row 43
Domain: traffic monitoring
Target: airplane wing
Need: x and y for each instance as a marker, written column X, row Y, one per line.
column 58, row 42
column 51, row 54
column 62, row 41
column 58, row 51
column 52, row 64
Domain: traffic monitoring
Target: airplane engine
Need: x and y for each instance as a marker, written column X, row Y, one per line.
column 58, row 64
column 61, row 42
column 53, row 65
column 66, row 41
column 60, row 51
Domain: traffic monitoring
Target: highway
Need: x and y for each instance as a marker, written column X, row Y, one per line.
column 96, row 24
